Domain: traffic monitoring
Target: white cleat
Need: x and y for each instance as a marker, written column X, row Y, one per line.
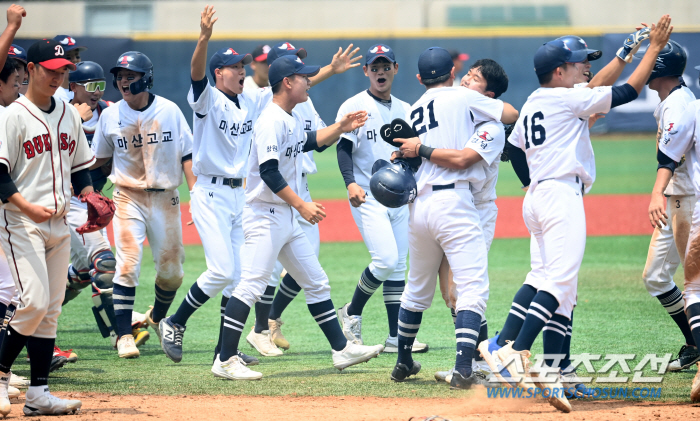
column 516, row 362
column 263, row 343
column 444, row 376
column 481, row 368
column 48, row 404
column 355, row 354
column 351, row 325
column 149, row 322
column 391, row 346
column 234, row 369
column 19, row 381
column 695, row 389
column 127, row 347
column 5, row 406
column 13, row 392
column 552, row 390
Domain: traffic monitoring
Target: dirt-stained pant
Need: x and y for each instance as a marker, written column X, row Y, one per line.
column 38, row 256
column 692, row 262
column 152, row 215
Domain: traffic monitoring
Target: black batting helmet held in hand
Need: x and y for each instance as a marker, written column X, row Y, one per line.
column 671, row 61
column 393, row 185
column 138, row 62
column 86, row 70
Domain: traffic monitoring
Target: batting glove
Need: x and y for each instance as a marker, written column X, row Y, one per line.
column 632, row 43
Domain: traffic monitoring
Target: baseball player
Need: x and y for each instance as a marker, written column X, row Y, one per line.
column 272, row 232
column 555, row 140
column 383, row 230
column 43, row 152
column 73, row 50
column 668, row 242
column 150, row 143
column 19, row 55
column 488, row 78
column 682, row 140
column 260, row 66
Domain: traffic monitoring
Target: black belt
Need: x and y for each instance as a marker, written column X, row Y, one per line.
column 154, row 190
column 578, row 181
column 231, row 182
column 443, row 187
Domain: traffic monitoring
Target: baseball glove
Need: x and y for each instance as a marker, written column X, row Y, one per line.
column 100, row 212
column 632, row 43
column 399, row 129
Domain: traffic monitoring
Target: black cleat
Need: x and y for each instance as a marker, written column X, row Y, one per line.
column 247, row 359
column 57, row 361
column 460, row 382
column 687, row 356
column 401, row 372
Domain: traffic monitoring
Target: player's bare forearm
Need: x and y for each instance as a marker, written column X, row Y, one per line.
column 657, row 214
column 190, row 178
column 455, row 159
column 323, row 74
column 510, row 114
column 86, row 190
column 658, row 37
column 608, row 74
column 351, row 121
column 14, row 21
column 99, row 162
column 198, row 66
column 292, row 199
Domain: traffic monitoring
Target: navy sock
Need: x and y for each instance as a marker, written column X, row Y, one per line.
column 194, row 299
column 262, row 309
column 409, row 323
column 693, row 314
column 123, row 307
column 11, row 347
column 392, row 301
column 674, row 303
column 517, row 313
column 541, row 310
column 454, row 315
column 467, row 331
column 234, row 320
column 224, row 302
column 363, row 291
column 287, row 291
column 553, row 338
column 9, row 312
column 325, row 316
column 566, row 346
column 41, row 352
column 483, row 336
column 163, row 301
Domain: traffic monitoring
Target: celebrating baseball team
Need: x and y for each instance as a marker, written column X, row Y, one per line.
column 421, row 182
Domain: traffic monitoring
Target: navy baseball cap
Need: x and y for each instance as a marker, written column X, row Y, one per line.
column 434, row 62
column 287, row 66
column 380, row 50
column 69, row 43
column 284, row 49
column 18, row 53
column 227, row 57
column 554, row 54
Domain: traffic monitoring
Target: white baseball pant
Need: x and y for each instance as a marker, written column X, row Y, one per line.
column 7, row 284
column 692, row 260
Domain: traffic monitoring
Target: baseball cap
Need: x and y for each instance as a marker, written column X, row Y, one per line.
column 554, row 54
column 434, row 62
column 18, row 53
column 456, row 55
column 227, row 57
column 260, row 53
column 50, row 54
column 69, row 43
column 284, row 49
column 287, row 66
column 380, row 50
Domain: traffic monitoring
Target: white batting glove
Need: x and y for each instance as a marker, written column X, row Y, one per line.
column 632, row 44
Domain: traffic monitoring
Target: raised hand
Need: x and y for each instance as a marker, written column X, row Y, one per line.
column 352, row 121
column 661, row 32
column 206, row 24
column 15, row 13
column 345, row 60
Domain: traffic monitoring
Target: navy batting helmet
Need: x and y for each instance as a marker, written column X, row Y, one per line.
column 86, row 70
column 138, row 62
column 393, row 185
column 671, row 61
column 577, row 43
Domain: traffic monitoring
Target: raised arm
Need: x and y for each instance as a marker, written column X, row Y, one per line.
column 342, row 61
column 328, row 135
column 198, row 67
column 15, row 13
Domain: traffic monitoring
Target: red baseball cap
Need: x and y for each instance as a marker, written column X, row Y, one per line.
column 50, row 54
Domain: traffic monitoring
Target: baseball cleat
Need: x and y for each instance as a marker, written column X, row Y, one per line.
column 444, row 376
column 140, row 335
column 70, row 355
column 552, row 390
column 481, row 368
column 351, row 325
column 276, row 331
column 247, row 359
column 138, row 320
column 391, row 346
column 499, row 374
column 687, row 357
column 354, row 354
column 5, row 406
column 154, row 325
column 48, row 404
column 127, row 347
column 402, row 372
column 13, row 392
column 234, row 369
column 171, row 341
column 575, row 389
column 262, row 342
column 516, row 362
column 695, row 389
column 57, row 361
column 19, row 381
column 458, row 381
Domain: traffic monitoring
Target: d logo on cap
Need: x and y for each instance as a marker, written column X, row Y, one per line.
column 59, row 50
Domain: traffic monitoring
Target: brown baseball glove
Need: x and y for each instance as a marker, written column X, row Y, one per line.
column 100, row 212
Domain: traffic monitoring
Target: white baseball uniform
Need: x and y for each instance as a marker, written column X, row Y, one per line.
column 271, row 230
column 668, row 244
column 147, row 147
column 41, row 150
column 683, row 139
column 7, row 284
column 553, row 131
column 443, row 218
column 384, row 230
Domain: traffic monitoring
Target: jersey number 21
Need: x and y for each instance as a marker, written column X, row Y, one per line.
column 417, row 118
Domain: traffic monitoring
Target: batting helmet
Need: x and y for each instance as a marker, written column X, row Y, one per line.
column 671, row 61
column 577, row 43
column 86, row 70
column 393, row 185
column 138, row 62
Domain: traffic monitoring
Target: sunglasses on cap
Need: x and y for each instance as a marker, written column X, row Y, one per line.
column 93, row 86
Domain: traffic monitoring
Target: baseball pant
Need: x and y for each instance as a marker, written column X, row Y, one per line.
column 7, row 283
column 668, row 245
column 692, row 260
column 272, row 233
column 446, row 222
column 156, row 216
column 217, row 211
column 554, row 214
column 384, row 231
column 38, row 256
column 83, row 247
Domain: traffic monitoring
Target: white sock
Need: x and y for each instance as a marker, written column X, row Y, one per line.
column 34, row 392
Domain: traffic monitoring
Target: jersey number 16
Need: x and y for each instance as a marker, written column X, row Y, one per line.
column 538, row 133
